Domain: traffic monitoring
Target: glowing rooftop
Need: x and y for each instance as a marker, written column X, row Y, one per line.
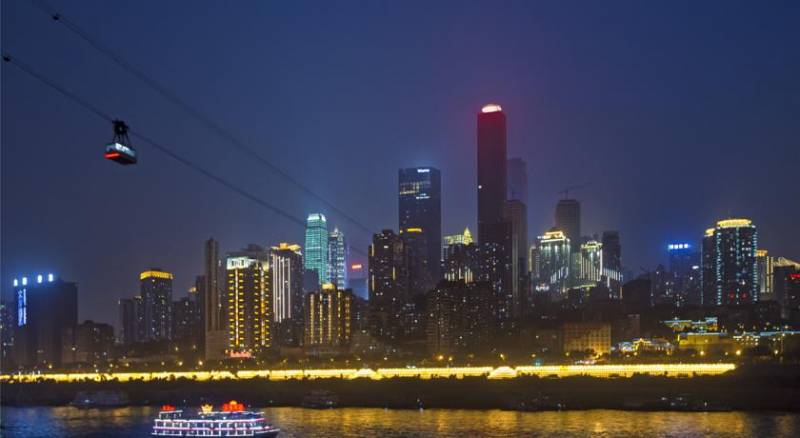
column 491, row 108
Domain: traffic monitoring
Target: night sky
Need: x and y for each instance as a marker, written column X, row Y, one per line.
column 677, row 113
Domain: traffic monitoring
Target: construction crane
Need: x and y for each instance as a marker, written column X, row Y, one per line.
column 566, row 190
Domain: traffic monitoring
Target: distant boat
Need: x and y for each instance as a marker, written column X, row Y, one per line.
column 231, row 420
column 99, row 399
column 320, row 399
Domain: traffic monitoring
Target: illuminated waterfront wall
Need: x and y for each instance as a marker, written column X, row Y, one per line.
column 602, row 371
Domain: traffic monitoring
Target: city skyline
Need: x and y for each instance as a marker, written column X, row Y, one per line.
column 44, row 246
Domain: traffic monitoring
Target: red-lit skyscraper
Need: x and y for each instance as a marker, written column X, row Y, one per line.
column 494, row 230
column 491, row 166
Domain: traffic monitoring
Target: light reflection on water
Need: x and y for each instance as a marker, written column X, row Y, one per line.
column 356, row 422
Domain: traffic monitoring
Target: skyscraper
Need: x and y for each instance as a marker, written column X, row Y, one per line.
column 156, row 293
column 249, row 301
column 420, row 207
column 518, row 180
column 612, row 261
column 46, row 307
column 316, row 248
column 215, row 334
column 337, row 258
column 287, row 282
column 494, row 230
column 388, row 288
column 516, row 213
column 733, row 263
column 492, row 183
column 568, row 220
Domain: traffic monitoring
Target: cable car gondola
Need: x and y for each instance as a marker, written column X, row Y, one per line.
column 120, row 149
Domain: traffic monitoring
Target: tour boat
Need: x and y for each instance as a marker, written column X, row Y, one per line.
column 231, row 420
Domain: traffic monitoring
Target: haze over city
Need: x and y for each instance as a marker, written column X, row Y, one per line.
column 670, row 134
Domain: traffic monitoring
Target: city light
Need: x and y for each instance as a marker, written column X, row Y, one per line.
column 503, row 372
column 491, row 108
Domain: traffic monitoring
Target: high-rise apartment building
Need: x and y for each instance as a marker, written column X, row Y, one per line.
column 156, row 292
column 388, row 282
column 212, row 300
column 420, row 207
column 415, row 259
column 328, row 318
column 765, row 279
column 287, row 281
column 337, row 258
column 591, row 263
column 316, row 248
column 684, row 274
column 249, row 301
column 729, row 263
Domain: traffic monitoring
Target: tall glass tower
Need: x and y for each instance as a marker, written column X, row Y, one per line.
column 316, row 254
column 337, row 259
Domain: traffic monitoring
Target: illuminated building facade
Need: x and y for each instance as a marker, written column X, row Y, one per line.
column 287, row 281
column 337, row 258
column 388, row 286
column 731, row 274
column 249, row 302
column 450, row 240
column 553, row 255
column 316, row 248
column 45, row 307
column 764, row 269
column 591, row 263
column 155, row 288
column 584, row 336
column 612, row 262
column 420, row 207
column 329, row 318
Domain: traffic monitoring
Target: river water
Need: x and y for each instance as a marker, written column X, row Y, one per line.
column 358, row 422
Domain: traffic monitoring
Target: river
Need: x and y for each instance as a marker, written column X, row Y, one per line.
column 358, row 422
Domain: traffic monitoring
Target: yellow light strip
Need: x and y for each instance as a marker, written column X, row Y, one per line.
column 155, row 274
column 601, row 371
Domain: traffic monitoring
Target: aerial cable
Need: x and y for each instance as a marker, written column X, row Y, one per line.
column 210, row 124
column 165, row 150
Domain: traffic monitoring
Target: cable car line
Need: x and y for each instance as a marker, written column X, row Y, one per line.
column 8, row 58
column 210, row 124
